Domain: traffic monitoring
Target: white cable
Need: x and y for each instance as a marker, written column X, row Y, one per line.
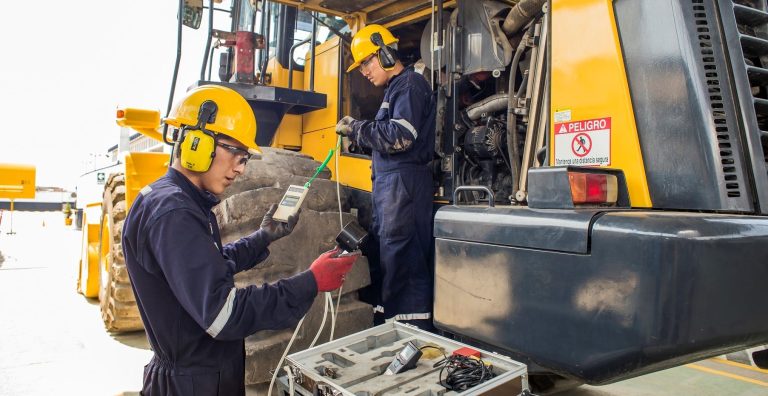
column 280, row 362
column 333, row 314
column 341, row 227
column 291, row 390
column 336, row 312
column 322, row 322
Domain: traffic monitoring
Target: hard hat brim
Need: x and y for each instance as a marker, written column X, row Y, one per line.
column 353, row 66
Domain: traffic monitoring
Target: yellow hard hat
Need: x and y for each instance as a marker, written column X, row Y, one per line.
column 232, row 115
column 362, row 46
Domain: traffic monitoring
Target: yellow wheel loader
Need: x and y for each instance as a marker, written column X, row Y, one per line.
column 102, row 273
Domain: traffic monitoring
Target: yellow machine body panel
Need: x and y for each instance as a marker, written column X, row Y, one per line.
column 143, row 121
column 17, row 181
column 354, row 171
column 326, row 81
column 592, row 119
column 88, row 280
column 288, row 135
column 142, row 169
column 319, row 127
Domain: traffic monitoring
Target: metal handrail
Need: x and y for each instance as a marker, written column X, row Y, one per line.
column 291, row 62
column 491, row 198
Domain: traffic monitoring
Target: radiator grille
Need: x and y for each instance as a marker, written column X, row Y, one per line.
column 751, row 21
column 725, row 136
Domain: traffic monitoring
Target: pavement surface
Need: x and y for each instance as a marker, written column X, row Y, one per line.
column 53, row 342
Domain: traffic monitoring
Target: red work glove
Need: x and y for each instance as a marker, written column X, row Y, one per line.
column 329, row 270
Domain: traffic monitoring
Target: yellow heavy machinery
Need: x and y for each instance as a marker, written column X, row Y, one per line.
column 17, row 181
column 600, row 172
column 102, row 271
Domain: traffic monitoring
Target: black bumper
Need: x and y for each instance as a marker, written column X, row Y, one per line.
column 602, row 296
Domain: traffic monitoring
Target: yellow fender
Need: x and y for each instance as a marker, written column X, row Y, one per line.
column 88, row 276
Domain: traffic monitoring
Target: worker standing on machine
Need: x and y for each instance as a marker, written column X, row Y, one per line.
column 182, row 276
column 402, row 138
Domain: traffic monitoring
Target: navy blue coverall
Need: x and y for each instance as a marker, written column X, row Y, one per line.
column 402, row 138
column 182, row 277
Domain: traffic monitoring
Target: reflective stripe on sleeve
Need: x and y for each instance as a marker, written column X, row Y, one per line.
column 384, row 105
column 407, row 126
column 146, row 190
column 223, row 316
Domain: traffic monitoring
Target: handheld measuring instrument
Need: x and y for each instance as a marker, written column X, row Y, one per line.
column 290, row 203
column 294, row 196
column 404, row 360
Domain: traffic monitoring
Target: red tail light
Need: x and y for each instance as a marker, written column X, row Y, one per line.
column 593, row 188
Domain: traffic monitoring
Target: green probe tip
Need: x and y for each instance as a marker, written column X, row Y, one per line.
column 320, row 168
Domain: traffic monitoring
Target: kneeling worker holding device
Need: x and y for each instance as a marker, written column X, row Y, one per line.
column 182, row 276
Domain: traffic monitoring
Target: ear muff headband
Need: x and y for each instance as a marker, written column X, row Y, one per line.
column 386, row 58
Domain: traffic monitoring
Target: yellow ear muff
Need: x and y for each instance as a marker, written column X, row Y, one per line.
column 198, row 147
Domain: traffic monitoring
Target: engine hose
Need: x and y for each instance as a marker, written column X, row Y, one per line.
column 488, row 105
column 520, row 14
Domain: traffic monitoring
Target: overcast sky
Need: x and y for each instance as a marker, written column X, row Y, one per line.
column 66, row 66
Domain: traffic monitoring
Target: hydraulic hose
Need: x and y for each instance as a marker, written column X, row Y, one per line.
column 512, row 140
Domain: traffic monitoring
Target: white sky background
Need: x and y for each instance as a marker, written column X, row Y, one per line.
column 65, row 67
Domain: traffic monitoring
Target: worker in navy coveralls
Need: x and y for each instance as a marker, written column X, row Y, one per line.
column 182, row 276
column 401, row 138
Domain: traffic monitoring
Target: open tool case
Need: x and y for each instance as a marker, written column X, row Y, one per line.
column 355, row 365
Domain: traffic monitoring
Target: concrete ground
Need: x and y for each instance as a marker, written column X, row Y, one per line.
column 52, row 340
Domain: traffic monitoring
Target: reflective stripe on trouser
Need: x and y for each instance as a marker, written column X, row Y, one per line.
column 413, row 316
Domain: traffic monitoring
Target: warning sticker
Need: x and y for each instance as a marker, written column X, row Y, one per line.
column 586, row 142
column 563, row 116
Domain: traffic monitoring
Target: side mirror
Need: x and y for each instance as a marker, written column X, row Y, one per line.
column 192, row 13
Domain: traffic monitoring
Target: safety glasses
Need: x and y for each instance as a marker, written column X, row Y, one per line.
column 241, row 155
column 365, row 63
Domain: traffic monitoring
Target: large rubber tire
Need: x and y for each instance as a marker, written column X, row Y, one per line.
column 118, row 304
column 549, row 383
column 240, row 213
